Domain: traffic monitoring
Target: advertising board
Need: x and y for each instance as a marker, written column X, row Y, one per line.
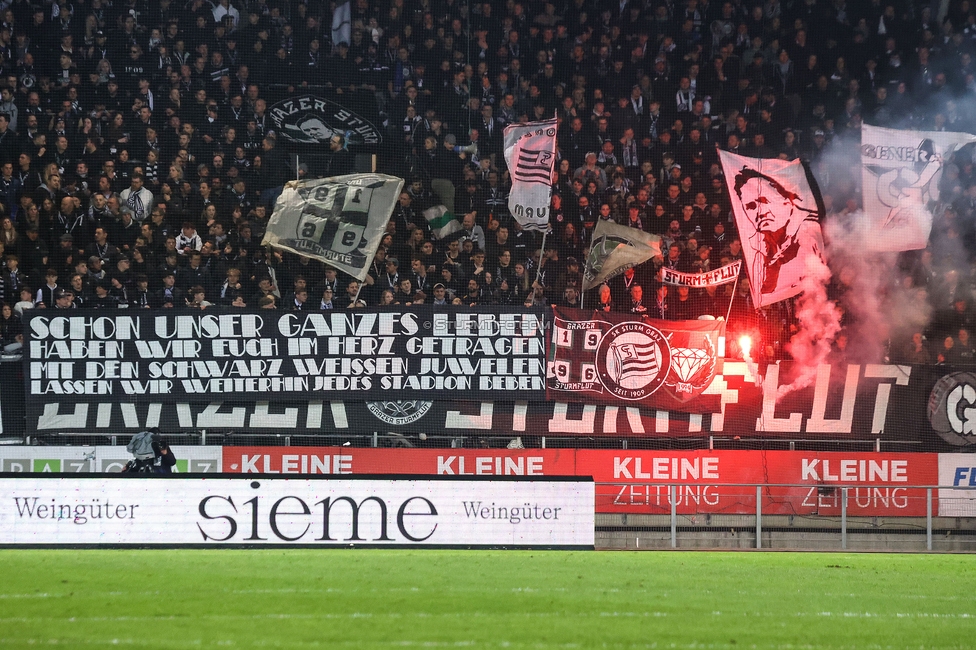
column 635, row 482
column 958, row 471
column 425, row 462
column 799, row 483
column 108, row 459
column 261, row 510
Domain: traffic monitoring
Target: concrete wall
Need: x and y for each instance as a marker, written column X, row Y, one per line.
column 653, row 532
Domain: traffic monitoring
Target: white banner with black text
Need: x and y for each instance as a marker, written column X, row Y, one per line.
column 261, row 511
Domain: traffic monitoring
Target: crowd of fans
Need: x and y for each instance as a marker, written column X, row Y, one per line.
column 139, row 161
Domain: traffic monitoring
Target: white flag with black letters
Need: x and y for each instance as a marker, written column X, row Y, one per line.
column 338, row 220
column 530, row 153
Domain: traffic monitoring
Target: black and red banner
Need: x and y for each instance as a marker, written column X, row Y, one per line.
column 625, row 359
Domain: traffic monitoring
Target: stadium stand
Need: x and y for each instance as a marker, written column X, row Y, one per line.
column 143, row 145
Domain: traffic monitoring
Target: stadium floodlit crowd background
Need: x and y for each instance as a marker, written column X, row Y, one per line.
column 138, row 159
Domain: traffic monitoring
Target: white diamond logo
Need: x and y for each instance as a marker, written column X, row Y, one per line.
column 686, row 362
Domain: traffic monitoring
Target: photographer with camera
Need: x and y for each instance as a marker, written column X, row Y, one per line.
column 152, row 454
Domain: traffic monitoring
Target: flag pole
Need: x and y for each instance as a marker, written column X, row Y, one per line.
column 542, row 253
column 728, row 314
column 358, row 291
column 538, row 271
column 585, row 266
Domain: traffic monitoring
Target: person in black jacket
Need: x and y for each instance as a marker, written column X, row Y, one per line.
column 163, row 457
column 151, row 454
column 341, row 161
column 11, row 330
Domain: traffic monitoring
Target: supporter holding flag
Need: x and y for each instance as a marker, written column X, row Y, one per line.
column 615, row 249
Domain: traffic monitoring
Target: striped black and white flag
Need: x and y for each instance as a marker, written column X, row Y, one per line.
column 530, row 153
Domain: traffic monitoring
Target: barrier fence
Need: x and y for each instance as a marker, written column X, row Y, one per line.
column 789, row 516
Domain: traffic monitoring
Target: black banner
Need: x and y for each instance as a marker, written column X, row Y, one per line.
column 308, row 121
column 930, row 405
column 167, row 356
column 436, row 370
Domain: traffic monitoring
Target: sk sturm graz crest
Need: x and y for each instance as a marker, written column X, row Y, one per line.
column 313, row 120
column 693, row 364
column 614, row 358
column 633, row 360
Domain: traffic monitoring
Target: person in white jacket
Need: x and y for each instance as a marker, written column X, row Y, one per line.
column 188, row 239
column 137, row 198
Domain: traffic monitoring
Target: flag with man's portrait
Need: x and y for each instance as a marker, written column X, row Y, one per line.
column 777, row 207
column 530, row 153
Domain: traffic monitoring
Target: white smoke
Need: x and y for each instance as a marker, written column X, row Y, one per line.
column 881, row 306
column 819, row 322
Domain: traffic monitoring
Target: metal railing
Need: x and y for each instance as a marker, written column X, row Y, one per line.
column 876, row 516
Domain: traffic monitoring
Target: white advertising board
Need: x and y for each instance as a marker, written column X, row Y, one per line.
column 109, row 459
column 193, row 511
column 959, row 471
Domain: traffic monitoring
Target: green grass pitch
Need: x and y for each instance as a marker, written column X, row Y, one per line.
column 483, row 599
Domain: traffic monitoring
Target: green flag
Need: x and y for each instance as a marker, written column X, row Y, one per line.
column 442, row 223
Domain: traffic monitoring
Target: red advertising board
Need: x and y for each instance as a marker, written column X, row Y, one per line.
column 354, row 460
column 636, row 482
